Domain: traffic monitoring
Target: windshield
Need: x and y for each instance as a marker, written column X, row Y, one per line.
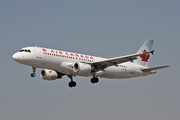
column 25, row 50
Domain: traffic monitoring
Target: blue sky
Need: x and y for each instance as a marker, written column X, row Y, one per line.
column 99, row 28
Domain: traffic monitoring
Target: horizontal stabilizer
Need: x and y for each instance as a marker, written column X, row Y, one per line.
column 153, row 68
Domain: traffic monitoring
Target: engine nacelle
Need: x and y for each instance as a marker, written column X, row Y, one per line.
column 67, row 67
column 82, row 68
column 50, row 75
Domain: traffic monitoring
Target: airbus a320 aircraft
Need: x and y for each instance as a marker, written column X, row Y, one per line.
column 57, row 63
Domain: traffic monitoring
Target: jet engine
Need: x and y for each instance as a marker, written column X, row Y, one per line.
column 67, row 67
column 50, row 75
column 82, row 68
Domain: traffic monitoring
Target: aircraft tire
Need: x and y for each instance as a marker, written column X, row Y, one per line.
column 94, row 80
column 33, row 74
column 72, row 84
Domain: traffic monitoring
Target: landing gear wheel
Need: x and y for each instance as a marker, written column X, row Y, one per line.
column 33, row 74
column 94, row 80
column 72, row 84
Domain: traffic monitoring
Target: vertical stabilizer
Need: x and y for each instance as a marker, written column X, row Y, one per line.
column 144, row 59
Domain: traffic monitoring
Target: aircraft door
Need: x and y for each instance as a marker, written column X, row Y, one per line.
column 39, row 53
column 132, row 69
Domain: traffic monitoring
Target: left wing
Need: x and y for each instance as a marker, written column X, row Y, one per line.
column 101, row 65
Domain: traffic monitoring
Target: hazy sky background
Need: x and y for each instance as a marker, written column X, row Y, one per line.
column 100, row 28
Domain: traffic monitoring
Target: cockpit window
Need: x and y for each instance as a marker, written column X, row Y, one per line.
column 25, row 50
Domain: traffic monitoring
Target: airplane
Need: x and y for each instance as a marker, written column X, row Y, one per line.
column 57, row 63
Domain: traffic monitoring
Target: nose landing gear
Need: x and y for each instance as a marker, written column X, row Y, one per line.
column 34, row 70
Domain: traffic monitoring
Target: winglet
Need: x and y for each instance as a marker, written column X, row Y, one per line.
column 152, row 52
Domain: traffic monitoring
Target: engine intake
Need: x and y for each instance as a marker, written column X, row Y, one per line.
column 82, row 68
column 50, row 75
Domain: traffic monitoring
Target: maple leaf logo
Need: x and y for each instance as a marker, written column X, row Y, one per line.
column 145, row 57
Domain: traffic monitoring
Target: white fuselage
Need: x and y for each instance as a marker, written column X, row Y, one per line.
column 55, row 60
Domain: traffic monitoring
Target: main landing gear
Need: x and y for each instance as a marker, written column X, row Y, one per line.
column 34, row 70
column 71, row 83
column 94, row 80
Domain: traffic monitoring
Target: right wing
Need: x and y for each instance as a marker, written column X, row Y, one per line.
column 101, row 65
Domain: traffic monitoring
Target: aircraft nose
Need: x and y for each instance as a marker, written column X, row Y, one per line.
column 15, row 56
